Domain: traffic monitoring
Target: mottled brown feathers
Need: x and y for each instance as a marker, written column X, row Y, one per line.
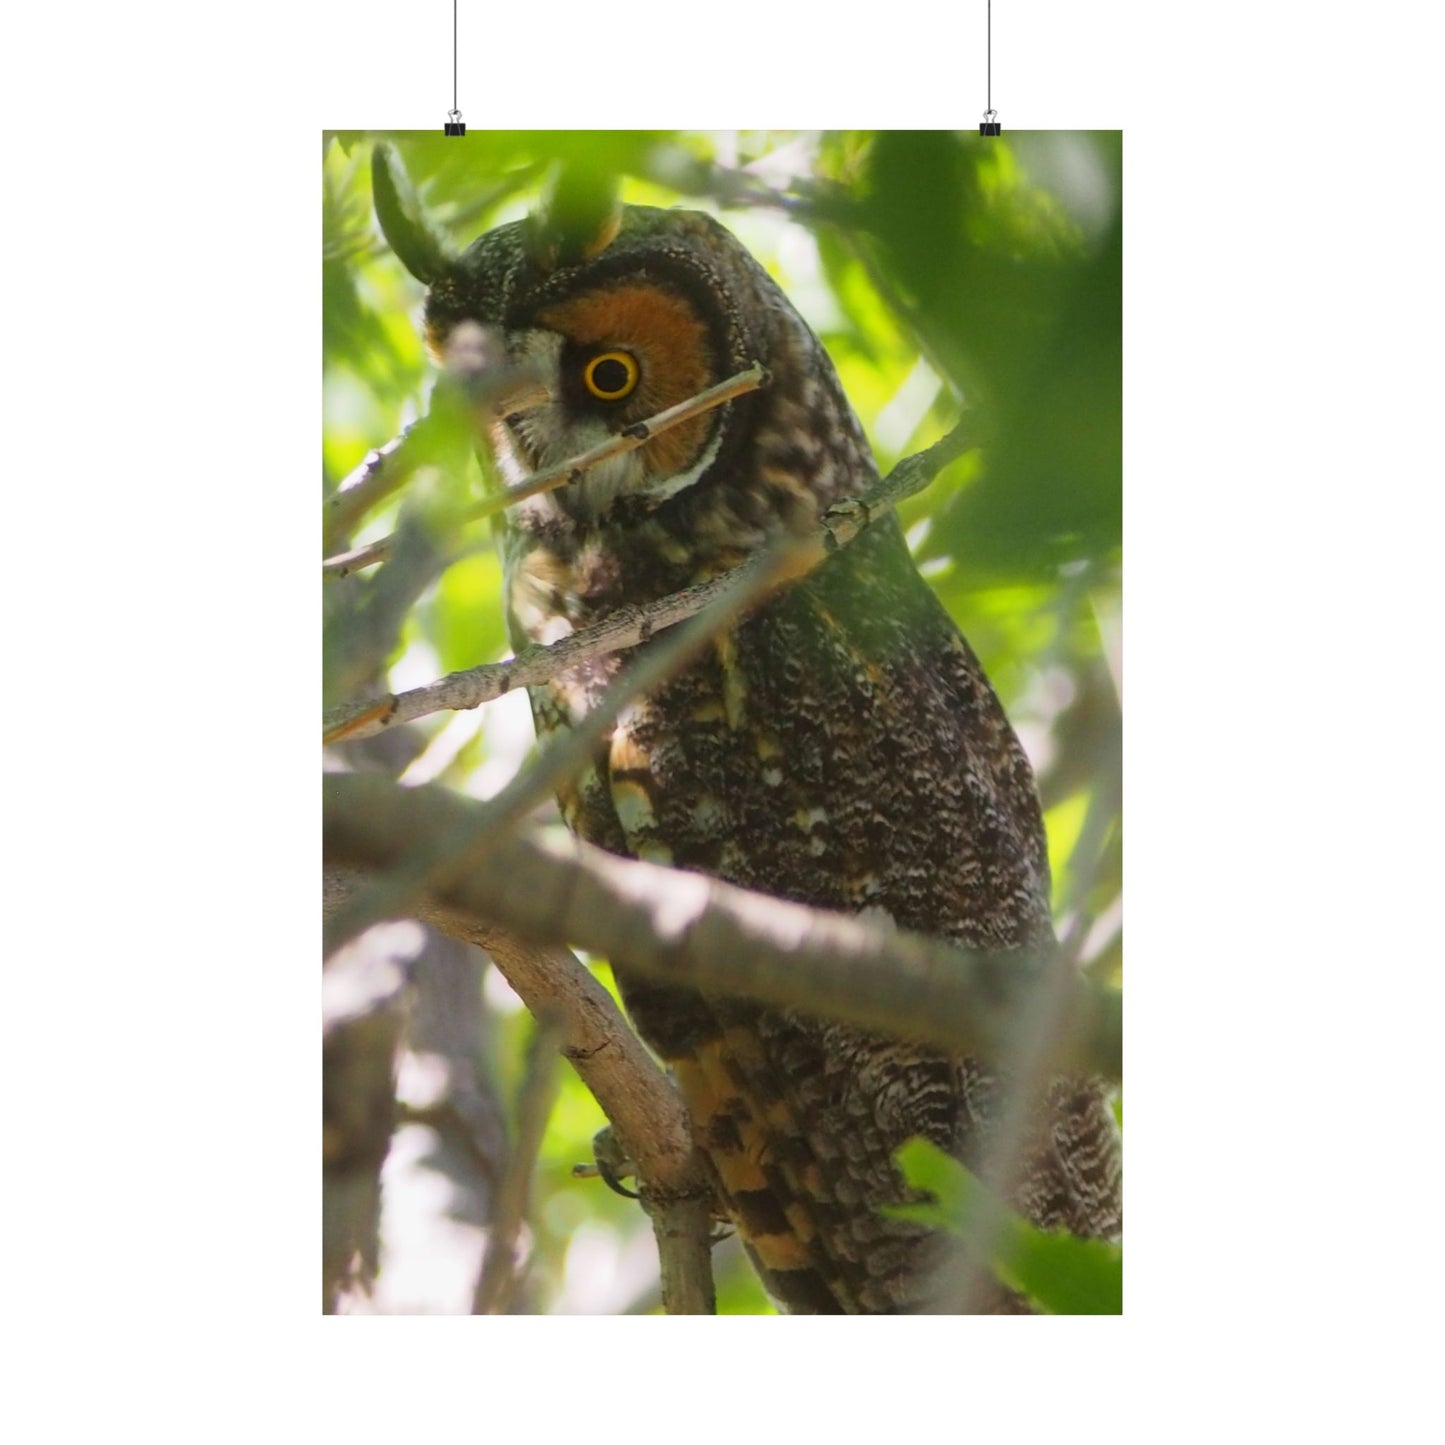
column 840, row 747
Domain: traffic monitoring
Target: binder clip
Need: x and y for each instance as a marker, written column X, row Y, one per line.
column 989, row 126
column 454, row 125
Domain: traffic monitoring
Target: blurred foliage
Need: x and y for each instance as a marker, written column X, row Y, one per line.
column 942, row 271
column 1061, row 1274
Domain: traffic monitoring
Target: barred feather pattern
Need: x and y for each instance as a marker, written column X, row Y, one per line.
column 840, row 747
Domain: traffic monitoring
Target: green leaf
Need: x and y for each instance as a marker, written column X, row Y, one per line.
column 467, row 624
column 403, row 222
column 1061, row 1273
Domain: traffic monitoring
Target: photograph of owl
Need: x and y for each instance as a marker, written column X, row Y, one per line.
column 839, row 746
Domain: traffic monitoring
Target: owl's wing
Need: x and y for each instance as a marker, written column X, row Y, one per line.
column 817, row 753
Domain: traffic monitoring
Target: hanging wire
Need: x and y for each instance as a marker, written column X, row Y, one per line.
column 454, row 124
column 990, row 125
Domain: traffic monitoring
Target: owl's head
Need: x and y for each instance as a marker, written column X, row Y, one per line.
column 654, row 308
column 667, row 307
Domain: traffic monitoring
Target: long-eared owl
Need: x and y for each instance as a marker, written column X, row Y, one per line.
column 840, row 746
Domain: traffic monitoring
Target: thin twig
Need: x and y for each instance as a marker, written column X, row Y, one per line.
column 690, row 930
column 378, row 476
column 619, row 444
column 498, row 1280
column 550, row 478
column 738, row 189
column 628, row 626
column 343, row 564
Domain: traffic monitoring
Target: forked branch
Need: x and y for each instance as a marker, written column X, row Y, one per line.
column 647, row 1115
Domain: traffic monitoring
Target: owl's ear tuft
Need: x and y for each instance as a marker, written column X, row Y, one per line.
column 417, row 244
column 578, row 217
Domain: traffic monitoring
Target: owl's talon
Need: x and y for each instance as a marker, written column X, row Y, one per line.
column 598, row 1171
column 611, row 1165
column 612, row 1182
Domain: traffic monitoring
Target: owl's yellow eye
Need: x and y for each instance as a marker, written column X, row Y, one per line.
column 611, row 376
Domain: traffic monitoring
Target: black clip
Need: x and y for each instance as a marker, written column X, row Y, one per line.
column 989, row 126
column 454, row 124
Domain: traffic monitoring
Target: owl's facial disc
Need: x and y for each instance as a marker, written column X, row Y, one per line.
column 612, row 355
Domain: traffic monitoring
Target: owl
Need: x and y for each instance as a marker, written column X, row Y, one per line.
column 840, row 746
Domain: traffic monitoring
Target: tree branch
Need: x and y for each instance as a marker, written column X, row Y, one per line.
column 683, row 1228
column 627, row 627
column 381, row 473
column 497, row 1283
column 647, row 1115
column 648, row 1118
column 363, row 1000
column 688, row 929
column 639, row 1100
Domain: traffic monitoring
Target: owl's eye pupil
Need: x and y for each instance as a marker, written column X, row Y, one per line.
column 611, row 376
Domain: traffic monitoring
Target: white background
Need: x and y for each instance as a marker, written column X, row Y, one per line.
column 1283, row 333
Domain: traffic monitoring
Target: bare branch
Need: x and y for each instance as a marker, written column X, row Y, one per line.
column 535, row 1098
column 646, row 1113
column 648, row 1118
column 683, row 1227
column 378, row 476
column 343, row 564
column 688, row 929
column 363, row 1017
column 803, row 198
column 838, row 526
column 360, row 632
